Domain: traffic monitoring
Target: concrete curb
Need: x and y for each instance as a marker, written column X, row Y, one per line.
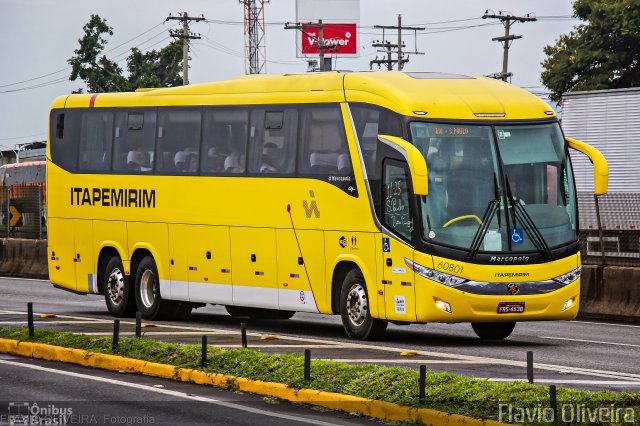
column 335, row 401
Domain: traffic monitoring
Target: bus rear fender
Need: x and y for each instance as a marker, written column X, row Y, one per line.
column 140, row 250
column 343, row 264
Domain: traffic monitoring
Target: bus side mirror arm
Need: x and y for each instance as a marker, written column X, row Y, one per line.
column 600, row 166
column 415, row 160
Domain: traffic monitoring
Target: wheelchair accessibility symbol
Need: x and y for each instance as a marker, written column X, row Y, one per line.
column 386, row 248
column 517, row 235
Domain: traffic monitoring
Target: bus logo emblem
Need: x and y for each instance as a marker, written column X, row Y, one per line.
column 513, row 288
column 311, row 207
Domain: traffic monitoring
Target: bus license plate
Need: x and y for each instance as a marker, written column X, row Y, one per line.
column 511, row 308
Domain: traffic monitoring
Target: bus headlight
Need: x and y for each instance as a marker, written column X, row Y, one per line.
column 569, row 277
column 441, row 277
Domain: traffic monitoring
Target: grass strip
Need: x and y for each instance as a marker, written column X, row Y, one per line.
column 445, row 392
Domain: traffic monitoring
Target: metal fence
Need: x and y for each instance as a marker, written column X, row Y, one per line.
column 23, row 212
column 610, row 229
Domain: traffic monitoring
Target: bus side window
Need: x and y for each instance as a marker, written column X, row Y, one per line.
column 134, row 141
column 64, row 138
column 323, row 149
column 178, row 141
column 224, row 141
column 272, row 149
column 96, row 138
column 396, row 212
column 370, row 121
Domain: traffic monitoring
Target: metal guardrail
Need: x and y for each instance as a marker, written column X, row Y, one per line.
column 23, row 212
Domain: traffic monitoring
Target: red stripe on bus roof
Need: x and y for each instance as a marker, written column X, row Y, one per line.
column 92, row 101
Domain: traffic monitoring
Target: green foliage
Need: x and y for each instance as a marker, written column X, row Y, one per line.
column 602, row 53
column 156, row 68
column 446, row 392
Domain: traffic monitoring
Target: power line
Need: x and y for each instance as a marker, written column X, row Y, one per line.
column 22, row 137
column 68, row 68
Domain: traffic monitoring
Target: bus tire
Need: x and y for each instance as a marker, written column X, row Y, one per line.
column 354, row 309
column 258, row 313
column 118, row 292
column 148, row 299
column 493, row 330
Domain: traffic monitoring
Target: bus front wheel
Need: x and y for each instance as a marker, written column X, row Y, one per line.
column 118, row 292
column 354, row 309
column 493, row 330
column 148, row 299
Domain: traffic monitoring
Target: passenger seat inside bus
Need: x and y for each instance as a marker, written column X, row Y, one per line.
column 325, row 149
column 138, row 161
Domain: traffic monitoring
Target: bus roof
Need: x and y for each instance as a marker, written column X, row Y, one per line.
column 420, row 94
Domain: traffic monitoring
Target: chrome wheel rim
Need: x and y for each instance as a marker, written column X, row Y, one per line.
column 357, row 304
column 115, row 286
column 147, row 288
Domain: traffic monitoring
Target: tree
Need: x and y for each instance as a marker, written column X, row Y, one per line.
column 603, row 53
column 156, row 68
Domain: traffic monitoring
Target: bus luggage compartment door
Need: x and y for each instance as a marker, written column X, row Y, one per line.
column 209, row 264
column 295, row 289
column 254, row 274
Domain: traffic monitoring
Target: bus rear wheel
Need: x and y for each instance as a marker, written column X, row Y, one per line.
column 493, row 330
column 258, row 313
column 118, row 293
column 148, row 299
column 354, row 309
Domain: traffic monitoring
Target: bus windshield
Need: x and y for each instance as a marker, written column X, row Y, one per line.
column 496, row 188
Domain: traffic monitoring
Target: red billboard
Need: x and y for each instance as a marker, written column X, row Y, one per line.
column 340, row 37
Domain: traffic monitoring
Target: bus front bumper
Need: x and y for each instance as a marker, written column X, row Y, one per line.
column 440, row 303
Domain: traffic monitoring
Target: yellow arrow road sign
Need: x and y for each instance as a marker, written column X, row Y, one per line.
column 14, row 216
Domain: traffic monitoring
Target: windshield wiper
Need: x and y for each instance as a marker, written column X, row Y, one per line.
column 523, row 217
column 492, row 208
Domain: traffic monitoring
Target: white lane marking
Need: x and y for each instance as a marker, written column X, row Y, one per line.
column 38, row 321
column 25, row 279
column 606, row 323
column 445, row 355
column 590, row 341
column 412, row 360
column 168, row 392
column 568, row 381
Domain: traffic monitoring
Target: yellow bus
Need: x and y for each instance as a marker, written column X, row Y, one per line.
column 403, row 197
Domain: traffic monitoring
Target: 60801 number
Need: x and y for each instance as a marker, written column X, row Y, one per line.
column 450, row 267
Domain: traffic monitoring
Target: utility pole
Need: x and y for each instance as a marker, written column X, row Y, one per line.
column 507, row 19
column 185, row 35
column 322, row 48
column 398, row 47
column 388, row 49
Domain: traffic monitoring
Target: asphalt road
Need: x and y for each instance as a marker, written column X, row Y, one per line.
column 55, row 393
column 582, row 354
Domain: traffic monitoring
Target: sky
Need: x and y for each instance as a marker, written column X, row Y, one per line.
column 37, row 37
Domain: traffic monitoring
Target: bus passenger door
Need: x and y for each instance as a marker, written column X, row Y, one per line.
column 209, row 264
column 254, row 274
column 399, row 285
column 300, row 269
